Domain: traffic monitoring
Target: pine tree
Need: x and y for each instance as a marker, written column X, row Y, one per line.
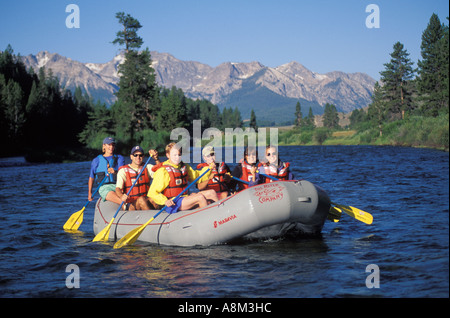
column 433, row 68
column 237, row 119
column 173, row 111
column 98, row 127
column 330, row 116
column 128, row 36
column 298, row 115
column 137, row 98
column 396, row 77
column 377, row 109
column 309, row 121
column 253, row 121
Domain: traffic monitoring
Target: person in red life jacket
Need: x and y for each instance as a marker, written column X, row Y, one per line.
column 172, row 178
column 220, row 174
column 137, row 199
column 247, row 170
column 104, row 165
column 275, row 167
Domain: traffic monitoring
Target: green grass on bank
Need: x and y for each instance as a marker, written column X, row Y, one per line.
column 415, row 131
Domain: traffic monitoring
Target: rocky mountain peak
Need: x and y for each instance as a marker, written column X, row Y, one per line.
column 225, row 85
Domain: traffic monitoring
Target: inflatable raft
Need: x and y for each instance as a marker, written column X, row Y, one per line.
column 265, row 211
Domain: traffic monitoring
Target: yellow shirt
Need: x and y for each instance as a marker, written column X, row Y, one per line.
column 161, row 180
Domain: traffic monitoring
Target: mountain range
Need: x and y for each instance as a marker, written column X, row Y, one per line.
column 271, row 92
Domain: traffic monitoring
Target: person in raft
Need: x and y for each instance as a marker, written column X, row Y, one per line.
column 247, row 170
column 106, row 164
column 137, row 199
column 274, row 167
column 172, row 178
column 220, row 174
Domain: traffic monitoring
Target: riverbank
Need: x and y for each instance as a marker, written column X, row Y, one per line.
column 415, row 131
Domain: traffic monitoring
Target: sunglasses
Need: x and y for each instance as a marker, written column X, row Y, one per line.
column 271, row 154
column 138, row 155
column 210, row 155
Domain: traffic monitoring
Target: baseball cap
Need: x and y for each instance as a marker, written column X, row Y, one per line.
column 136, row 148
column 109, row 140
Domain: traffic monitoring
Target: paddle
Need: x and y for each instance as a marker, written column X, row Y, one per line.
column 133, row 235
column 334, row 214
column 103, row 235
column 75, row 220
column 240, row 180
column 270, row 177
column 356, row 213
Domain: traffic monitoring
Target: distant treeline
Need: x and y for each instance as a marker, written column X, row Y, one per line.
column 45, row 122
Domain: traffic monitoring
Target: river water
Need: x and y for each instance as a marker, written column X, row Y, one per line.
column 406, row 248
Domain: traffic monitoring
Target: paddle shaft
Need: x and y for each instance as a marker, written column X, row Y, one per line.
column 270, row 177
column 240, row 180
column 132, row 186
column 358, row 214
column 177, row 197
column 133, row 235
column 95, row 191
column 104, row 234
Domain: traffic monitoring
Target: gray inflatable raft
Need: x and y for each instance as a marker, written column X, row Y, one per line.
column 265, row 211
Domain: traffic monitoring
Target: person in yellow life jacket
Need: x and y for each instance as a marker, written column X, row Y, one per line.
column 274, row 167
column 247, row 170
column 137, row 199
column 172, row 178
column 220, row 174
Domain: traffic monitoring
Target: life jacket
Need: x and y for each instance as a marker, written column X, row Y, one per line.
column 178, row 180
column 142, row 185
column 102, row 169
column 246, row 174
column 281, row 172
column 218, row 182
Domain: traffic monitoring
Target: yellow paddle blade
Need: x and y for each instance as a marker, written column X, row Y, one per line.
column 75, row 220
column 132, row 236
column 362, row 215
column 103, row 235
column 334, row 214
column 358, row 214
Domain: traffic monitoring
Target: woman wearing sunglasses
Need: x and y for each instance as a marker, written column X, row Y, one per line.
column 247, row 170
column 274, row 167
column 137, row 199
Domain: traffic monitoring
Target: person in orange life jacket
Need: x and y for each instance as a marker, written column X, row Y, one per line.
column 219, row 177
column 275, row 167
column 247, row 170
column 137, row 199
column 172, row 178
column 102, row 165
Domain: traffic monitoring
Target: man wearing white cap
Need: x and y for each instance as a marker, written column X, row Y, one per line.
column 220, row 174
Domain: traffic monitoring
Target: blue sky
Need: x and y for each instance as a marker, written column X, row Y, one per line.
column 322, row 35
